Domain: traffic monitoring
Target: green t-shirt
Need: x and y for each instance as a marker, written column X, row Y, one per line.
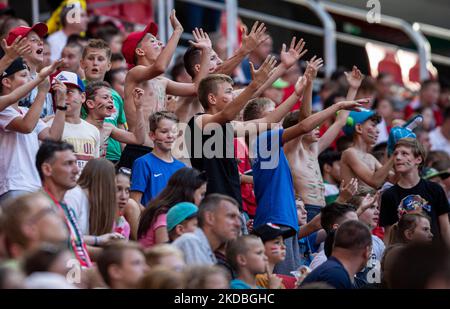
column 114, row 151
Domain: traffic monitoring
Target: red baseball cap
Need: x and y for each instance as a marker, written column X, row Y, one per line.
column 132, row 40
column 40, row 28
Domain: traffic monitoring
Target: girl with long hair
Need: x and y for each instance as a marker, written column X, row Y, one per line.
column 185, row 185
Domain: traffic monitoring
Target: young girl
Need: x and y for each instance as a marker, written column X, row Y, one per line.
column 129, row 210
column 414, row 227
column 185, row 185
column 95, row 203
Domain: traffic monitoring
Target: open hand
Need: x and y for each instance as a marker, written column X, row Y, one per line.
column 313, row 66
column 354, row 78
column 176, row 25
column 295, row 52
column 48, row 70
column 202, row 40
column 253, row 39
column 18, row 48
column 346, row 191
column 265, row 70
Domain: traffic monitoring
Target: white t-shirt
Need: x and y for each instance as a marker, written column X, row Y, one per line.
column 57, row 41
column 438, row 141
column 18, row 154
column 85, row 139
column 77, row 199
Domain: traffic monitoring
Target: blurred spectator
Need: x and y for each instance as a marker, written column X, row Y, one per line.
column 47, row 268
column 47, row 54
column 116, row 78
column 206, row 277
column 29, row 221
column 165, row 255
column 112, row 36
column 410, row 272
column 122, row 265
column 257, row 57
column 423, row 136
column 71, row 54
column 428, row 97
column 74, row 20
column 440, row 137
column 162, row 277
column 118, row 62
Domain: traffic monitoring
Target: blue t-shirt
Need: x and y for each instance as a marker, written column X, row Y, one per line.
column 239, row 284
column 273, row 185
column 307, row 247
column 331, row 272
column 150, row 175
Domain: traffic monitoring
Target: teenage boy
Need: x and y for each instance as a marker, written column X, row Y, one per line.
column 150, row 60
column 218, row 125
column 152, row 171
column 357, row 161
column 34, row 61
column 303, row 152
column 271, row 173
column 100, row 105
column 84, row 137
column 71, row 54
column 330, row 167
column 21, row 129
column 95, row 62
column 411, row 191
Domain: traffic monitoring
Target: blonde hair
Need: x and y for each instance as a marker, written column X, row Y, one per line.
column 98, row 177
column 197, row 276
column 154, row 254
column 162, row 277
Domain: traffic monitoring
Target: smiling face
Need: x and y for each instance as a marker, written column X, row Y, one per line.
column 37, row 48
column 165, row 134
column 404, row 160
column 95, row 64
column 369, row 131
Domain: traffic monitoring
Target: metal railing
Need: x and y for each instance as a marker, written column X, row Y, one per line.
column 422, row 44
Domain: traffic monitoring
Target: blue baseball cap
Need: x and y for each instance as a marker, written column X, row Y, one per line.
column 180, row 212
column 355, row 118
column 70, row 78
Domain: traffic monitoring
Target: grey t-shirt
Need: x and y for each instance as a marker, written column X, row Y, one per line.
column 196, row 248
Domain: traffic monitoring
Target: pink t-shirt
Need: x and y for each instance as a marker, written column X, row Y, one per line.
column 149, row 239
column 122, row 226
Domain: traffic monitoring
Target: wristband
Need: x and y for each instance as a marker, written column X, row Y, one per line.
column 61, row 108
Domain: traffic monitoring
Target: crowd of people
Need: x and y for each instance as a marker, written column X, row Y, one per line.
column 125, row 165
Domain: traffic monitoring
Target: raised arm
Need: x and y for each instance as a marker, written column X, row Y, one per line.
column 312, row 68
column 138, row 135
column 202, row 42
column 27, row 123
column 142, row 73
column 56, row 130
column 360, row 169
column 18, row 48
column 354, row 79
column 250, row 41
column 24, row 90
column 316, row 119
column 232, row 109
column 288, row 59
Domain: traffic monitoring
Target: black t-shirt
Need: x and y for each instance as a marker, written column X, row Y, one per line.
column 436, row 203
column 212, row 150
